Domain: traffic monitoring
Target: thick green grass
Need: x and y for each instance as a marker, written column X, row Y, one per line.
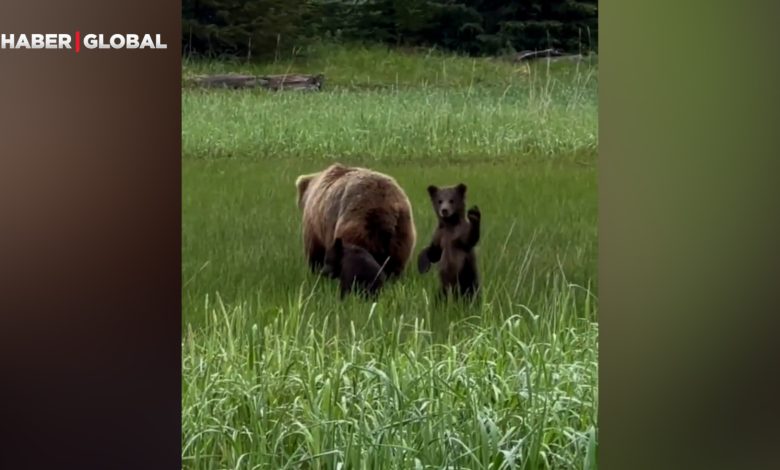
column 278, row 373
column 518, row 112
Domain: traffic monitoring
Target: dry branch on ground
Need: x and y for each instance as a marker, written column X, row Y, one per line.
column 270, row 82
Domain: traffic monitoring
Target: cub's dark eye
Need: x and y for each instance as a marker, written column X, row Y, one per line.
column 450, row 201
column 440, row 201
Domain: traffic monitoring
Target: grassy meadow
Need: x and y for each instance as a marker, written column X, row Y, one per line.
column 278, row 373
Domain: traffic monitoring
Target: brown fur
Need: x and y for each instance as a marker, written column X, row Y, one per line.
column 362, row 207
column 454, row 241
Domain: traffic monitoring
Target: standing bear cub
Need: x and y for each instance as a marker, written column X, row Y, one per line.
column 454, row 242
column 355, row 268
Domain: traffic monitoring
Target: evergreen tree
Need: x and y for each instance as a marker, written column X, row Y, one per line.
column 263, row 27
column 236, row 27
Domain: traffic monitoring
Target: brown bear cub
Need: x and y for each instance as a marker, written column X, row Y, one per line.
column 454, row 242
column 356, row 268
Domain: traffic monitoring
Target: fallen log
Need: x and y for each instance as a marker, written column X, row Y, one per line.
column 572, row 57
column 270, row 82
column 294, row 82
column 231, row 80
column 528, row 55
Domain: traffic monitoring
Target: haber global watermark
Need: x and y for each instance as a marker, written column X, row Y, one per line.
column 76, row 41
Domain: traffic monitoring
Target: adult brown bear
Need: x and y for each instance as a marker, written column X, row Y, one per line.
column 362, row 207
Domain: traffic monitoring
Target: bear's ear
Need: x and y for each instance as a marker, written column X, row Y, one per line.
column 302, row 184
column 432, row 190
column 461, row 188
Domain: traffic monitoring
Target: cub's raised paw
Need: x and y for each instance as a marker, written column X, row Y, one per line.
column 474, row 213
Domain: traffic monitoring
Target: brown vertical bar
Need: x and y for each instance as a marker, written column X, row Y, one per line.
column 90, row 240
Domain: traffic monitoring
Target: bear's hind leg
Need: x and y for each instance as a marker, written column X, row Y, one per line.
column 468, row 280
column 315, row 255
column 401, row 244
column 392, row 268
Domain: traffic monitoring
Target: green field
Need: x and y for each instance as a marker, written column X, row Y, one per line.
column 278, row 373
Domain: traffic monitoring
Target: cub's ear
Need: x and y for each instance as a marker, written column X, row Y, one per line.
column 461, row 188
column 432, row 190
column 302, row 184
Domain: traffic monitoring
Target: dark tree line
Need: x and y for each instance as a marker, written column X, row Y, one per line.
column 264, row 27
